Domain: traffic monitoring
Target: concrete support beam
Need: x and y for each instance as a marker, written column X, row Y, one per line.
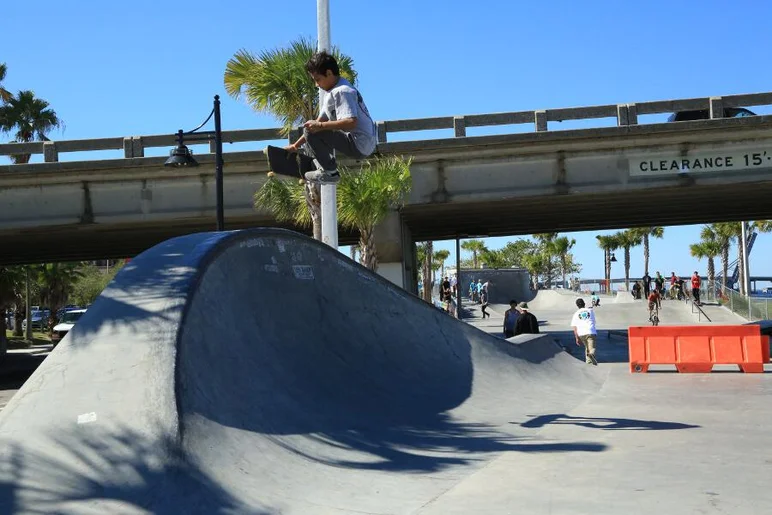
column 623, row 115
column 540, row 118
column 138, row 149
column 391, row 253
column 381, row 126
column 459, row 126
column 716, row 107
column 632, row 114
column 50, row 154
column 128, row 147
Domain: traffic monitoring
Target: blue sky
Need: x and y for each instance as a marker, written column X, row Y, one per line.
column 119, row 69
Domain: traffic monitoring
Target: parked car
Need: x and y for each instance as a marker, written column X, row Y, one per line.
column 704, row 114
column 66, row 324
column 39, row 320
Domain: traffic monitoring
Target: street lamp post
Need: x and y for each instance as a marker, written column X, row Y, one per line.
column 182, row 157
column 329, row 192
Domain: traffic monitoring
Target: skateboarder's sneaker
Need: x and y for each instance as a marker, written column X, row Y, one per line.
column 592, row 360
column 323, row 176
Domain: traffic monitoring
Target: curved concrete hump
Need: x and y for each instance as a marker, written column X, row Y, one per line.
column 263, row 372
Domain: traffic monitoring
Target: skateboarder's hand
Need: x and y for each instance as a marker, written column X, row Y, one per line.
column 313, row 125
column 579, row 342
column 291, row 148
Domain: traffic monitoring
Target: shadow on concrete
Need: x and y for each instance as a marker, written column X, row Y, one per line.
column 608, row 349
column 608, row 424
column 109, row 471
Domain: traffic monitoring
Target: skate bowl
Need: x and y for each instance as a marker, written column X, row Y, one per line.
column 261, row 372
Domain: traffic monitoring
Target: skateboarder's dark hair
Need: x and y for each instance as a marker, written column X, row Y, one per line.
column 579, row 303
column 320, row 62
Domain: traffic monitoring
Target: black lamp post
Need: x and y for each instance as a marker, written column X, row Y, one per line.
column 181, row 156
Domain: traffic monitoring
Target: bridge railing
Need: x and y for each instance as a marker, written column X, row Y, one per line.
column 625, row 114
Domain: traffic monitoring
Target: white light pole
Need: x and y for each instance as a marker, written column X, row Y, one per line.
column 744, row 256
column 329, row 191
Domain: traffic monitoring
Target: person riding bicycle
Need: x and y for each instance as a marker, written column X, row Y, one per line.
column 654, row 301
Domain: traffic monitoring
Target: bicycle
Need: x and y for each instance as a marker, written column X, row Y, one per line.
column 654, row 315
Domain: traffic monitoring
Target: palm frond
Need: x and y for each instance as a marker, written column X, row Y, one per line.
column 366, row 197
column 285, row 200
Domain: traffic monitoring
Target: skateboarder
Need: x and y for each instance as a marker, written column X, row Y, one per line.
column 344, row 123
column 696, row 283
column 583, row 323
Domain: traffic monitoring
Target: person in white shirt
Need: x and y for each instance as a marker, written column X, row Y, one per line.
column 583, row 323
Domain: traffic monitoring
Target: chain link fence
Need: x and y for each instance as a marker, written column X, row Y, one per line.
column 750, row 308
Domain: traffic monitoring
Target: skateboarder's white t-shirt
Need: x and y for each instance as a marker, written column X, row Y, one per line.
column 344, row 101
column 584, row 321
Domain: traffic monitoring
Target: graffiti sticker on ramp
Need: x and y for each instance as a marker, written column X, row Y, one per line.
column 303, row 272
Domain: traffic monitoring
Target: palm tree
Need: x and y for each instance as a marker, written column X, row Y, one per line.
column 11, row 278
column 628, row 239
column 5, row 95
column 476, row 247
column 536, row 265
column 562, row 247
column 545, row 244
column 57, row 281
column 29, row 118
column 722, row 233
column 276, row 82
column 440, row 256
column 424, row 253
column 707, row 249
column 365, row 199
column 646, row 233
column 608, row 243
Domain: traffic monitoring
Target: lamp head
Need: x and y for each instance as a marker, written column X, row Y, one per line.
column 181, row 156
column 613, row 258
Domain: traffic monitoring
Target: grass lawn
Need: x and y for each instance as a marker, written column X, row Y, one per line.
column 17, row 342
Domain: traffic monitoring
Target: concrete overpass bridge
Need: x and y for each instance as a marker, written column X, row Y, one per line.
column 618, row 176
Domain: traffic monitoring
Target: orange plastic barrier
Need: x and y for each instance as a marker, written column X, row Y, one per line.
column 698, row 348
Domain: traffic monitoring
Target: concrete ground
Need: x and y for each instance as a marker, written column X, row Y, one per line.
column 261, row 372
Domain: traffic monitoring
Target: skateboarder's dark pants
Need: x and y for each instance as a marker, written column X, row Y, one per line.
column 320, row 145
column 696, row 295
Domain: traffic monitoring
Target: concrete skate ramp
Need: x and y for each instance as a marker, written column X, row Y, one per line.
column 263, row 372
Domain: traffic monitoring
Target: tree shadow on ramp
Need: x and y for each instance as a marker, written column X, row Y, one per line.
column 100, row 470
column 429, row 447
column 606, row 424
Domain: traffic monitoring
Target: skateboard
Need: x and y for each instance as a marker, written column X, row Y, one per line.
column 291, row 164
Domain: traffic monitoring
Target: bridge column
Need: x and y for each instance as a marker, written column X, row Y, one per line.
column 395, row 251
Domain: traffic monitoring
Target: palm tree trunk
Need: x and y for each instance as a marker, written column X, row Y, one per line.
column 427, row 271
column 353, row 253
column 627, row 268
column 313, row 194
column 711, row 274
column 367, row 249
column 725, row 262
column 608, row 272
column 646, row 253
column 474, row 259
column 563, row 268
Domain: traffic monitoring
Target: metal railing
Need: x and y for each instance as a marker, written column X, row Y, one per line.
column 748, row 307
column 625, row 115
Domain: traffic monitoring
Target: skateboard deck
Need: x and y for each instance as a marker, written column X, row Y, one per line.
column 291, row 164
